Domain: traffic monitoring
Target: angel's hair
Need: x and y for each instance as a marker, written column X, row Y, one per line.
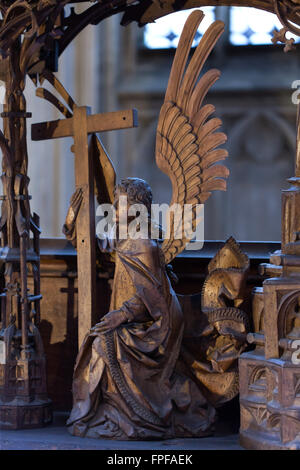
column 138, row 191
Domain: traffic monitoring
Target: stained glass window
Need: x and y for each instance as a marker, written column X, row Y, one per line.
column 165, row 32
column 253, row 26
column 248, row 26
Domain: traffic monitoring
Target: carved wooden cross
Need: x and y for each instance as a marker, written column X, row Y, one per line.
column 79, row 126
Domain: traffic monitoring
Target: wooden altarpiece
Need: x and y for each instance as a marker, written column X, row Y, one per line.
column 33, row 34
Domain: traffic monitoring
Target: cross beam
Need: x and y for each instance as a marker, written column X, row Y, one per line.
column 79, row 127
column 95, row 123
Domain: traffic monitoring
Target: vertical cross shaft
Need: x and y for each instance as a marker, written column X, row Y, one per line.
column 85, row 225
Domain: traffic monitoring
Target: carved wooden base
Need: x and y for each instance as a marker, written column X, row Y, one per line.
column 24, row 401
column 20, row 415
column 262, row 441
column 270, row 402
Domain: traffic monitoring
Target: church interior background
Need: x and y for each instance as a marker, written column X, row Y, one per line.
column 253, row 98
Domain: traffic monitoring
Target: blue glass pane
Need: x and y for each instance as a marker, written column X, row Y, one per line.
column 253, row 26
column 165, row 32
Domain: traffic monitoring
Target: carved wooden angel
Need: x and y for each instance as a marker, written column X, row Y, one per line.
column 127, row 383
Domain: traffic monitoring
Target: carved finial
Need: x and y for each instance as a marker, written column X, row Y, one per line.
column 280, row 36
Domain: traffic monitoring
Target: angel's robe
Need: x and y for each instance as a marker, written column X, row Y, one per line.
column 125, row 383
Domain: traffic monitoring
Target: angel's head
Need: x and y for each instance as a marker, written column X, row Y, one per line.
column 136, row 190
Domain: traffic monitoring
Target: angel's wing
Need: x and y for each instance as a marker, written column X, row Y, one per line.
column 186, row 141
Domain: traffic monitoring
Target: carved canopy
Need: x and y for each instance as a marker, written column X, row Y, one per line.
column 48, row 31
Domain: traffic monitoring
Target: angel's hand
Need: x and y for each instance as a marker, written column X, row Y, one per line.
column 110, row 321
column 75, row 204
